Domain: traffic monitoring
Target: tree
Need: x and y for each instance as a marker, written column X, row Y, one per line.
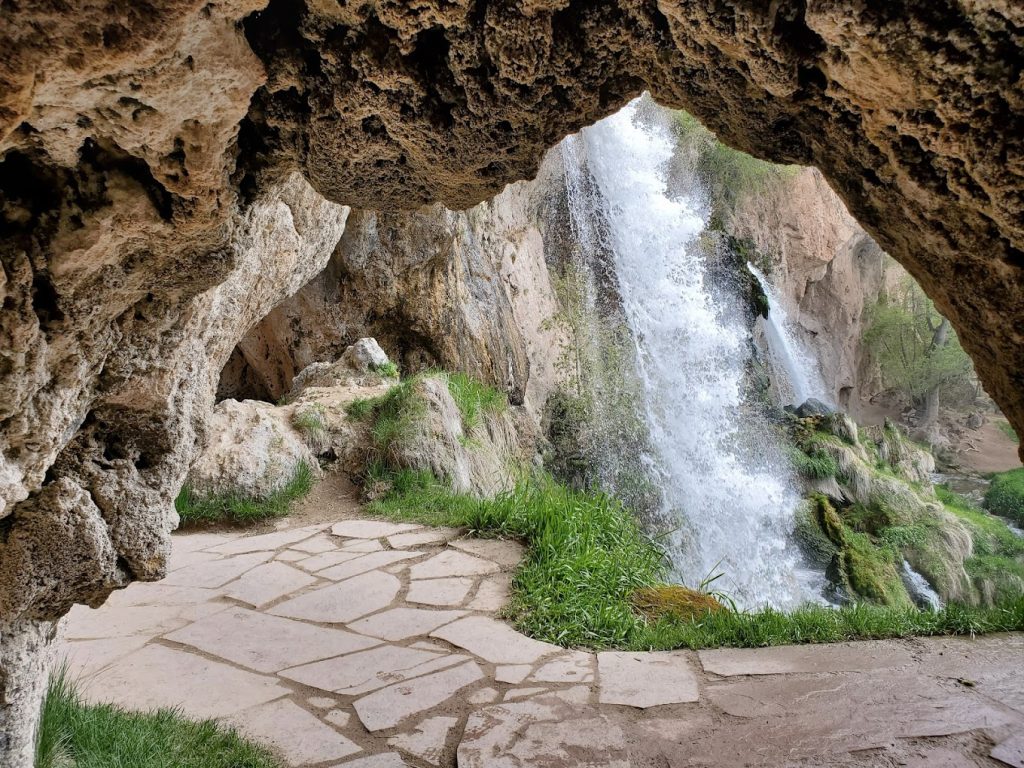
column 917, row 352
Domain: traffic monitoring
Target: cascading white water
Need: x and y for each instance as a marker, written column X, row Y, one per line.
column 920, row 589
column 734, row 508
column 794, row 370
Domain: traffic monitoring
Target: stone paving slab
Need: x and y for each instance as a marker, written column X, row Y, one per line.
column 446, row 592
column 369, row 562
column 646, row 679
column 428, row 740
column 156, row 676
column 389, row 706
column 294, row 733
column 268, row 582
column 371, row 529
column 403, row 623
column 217, row 573
column 845, row 657
column 452, row 563
column 343, row 602
column 266, row 542
column 267, row 643
column 494, row 641
column 366, row 671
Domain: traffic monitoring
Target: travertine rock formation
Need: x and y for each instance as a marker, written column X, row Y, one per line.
column 139, row 145
column 467, row 291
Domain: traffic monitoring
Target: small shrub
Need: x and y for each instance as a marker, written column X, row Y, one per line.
column 1005, row 496
column 194, row 508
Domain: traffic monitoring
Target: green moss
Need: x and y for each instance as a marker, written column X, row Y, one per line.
column 195, row 509
column 872, row 572
column 73, row 734
column 809, row 535
column 1005, row 496
column 388, row 370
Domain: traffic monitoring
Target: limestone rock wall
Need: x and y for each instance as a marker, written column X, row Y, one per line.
column 458, row 290
column 828, row 269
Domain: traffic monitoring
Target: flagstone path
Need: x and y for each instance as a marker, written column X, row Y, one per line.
column 370, row 644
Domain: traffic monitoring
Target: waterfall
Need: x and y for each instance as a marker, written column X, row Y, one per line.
column 919, row 589
column 728, row 491
column 794, row 370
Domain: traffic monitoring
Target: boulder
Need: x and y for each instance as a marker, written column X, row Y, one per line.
column 361, row 364
column 254, row 450
column 813, row 407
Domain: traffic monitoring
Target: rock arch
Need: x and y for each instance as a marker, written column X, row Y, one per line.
column 150, row 209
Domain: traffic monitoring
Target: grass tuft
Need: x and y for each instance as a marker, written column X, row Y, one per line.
column 474, row 399
column 310, row 422
column 74, row 734
column 194, row 508
column 388, row 370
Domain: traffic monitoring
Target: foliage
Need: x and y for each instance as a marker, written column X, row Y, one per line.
column 913, row 355
column 589, row 571
column 1005, row 496
column 675, row 600
column 991, row 535
column 73, row 734
column 728, row 174
column 818, row 624
column 388, row 370
column 195, row 508
column 587, row 556
column 813, row 464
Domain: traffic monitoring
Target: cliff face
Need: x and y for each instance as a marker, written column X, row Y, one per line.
column 828, row 268
column 143, row 148
column 457, row 290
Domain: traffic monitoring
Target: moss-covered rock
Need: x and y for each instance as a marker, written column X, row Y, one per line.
column 675, row 601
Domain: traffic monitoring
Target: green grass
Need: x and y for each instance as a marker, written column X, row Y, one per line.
column 587, row 557
column 74, row 734
column 474, row 399
column 814, row 465
column 1005, row 496
column 388, row 370
column 1008, row 430
column 194, row 508
column 990, row 533
column 310, row 421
